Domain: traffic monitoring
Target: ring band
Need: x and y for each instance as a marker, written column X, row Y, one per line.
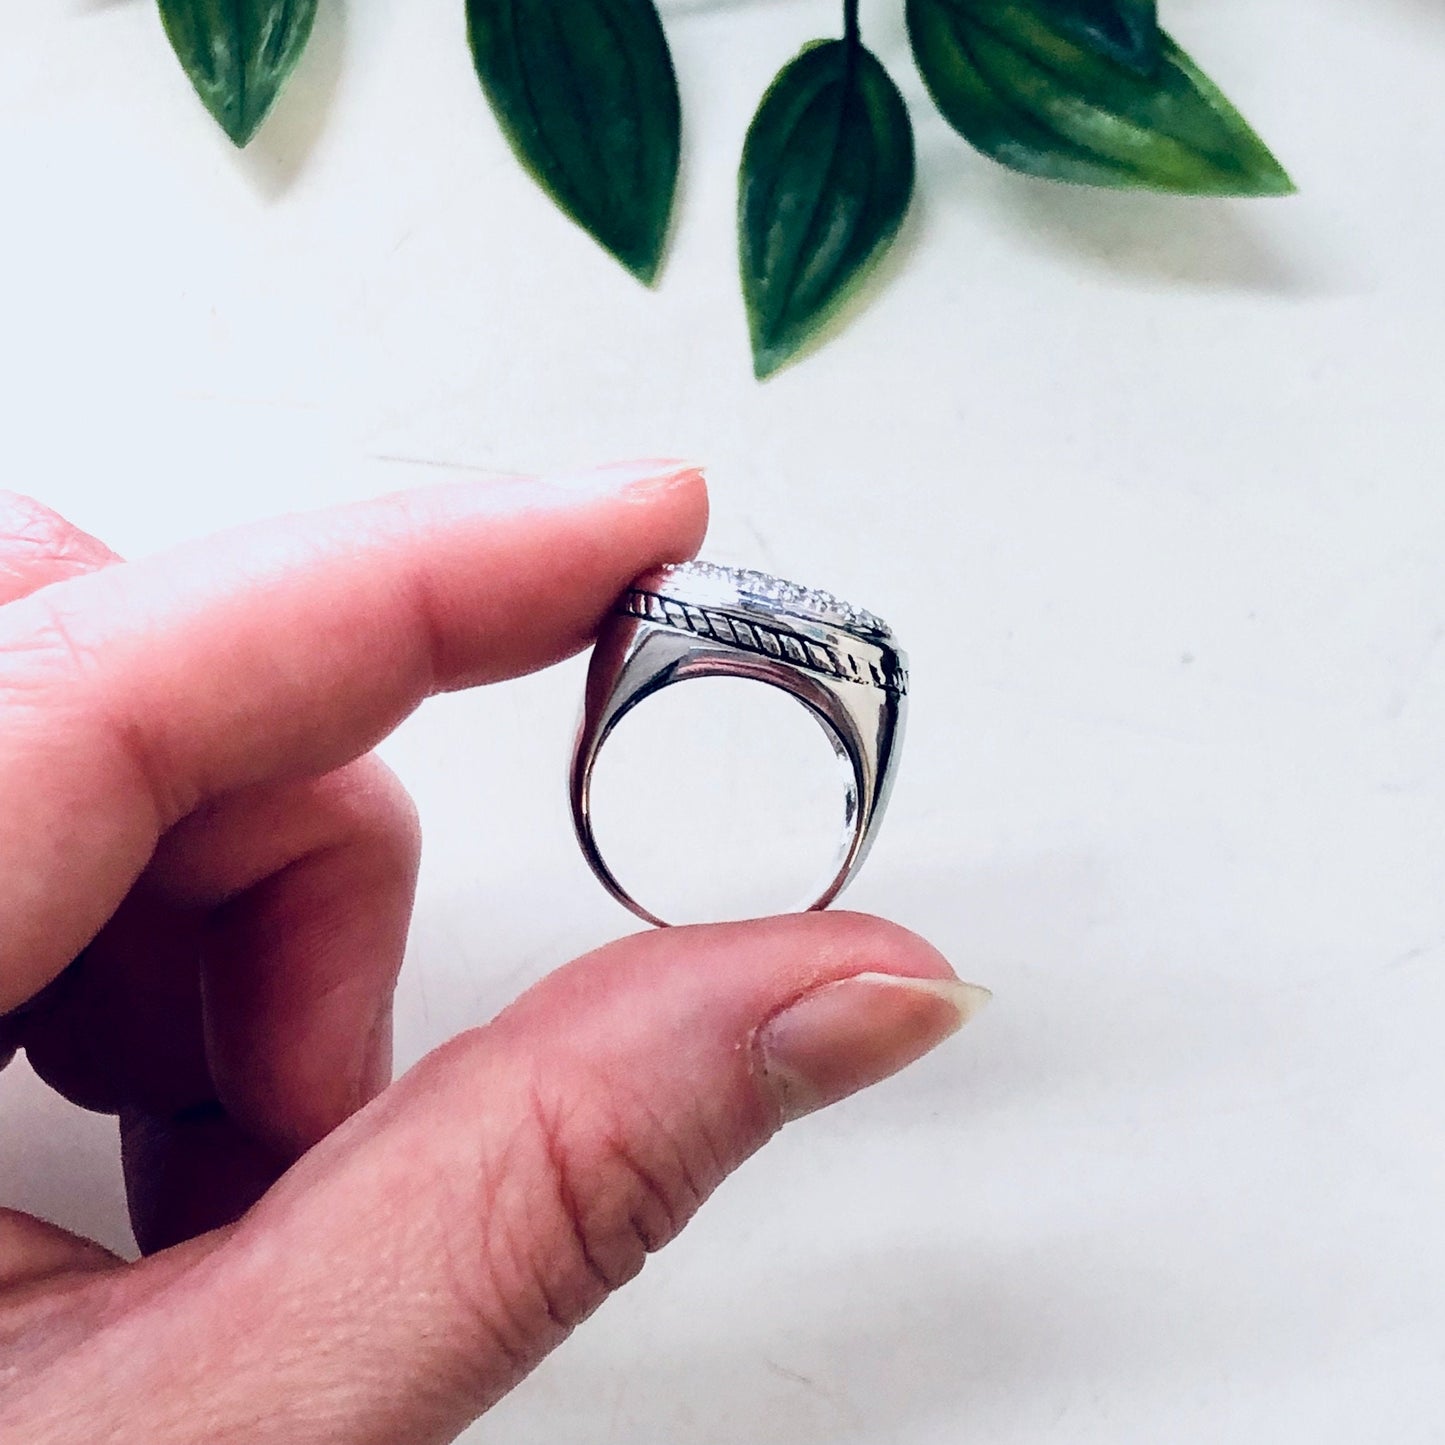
column 698, row 619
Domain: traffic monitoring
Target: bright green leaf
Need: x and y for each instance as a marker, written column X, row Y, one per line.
column 1007, row 77
column 586, row 95
column 1123, row 30
column 238, row 53
column 826, row 177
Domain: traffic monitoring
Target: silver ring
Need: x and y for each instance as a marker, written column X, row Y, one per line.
column 701, row 620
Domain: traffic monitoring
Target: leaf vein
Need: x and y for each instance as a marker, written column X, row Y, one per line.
column 1011, row 104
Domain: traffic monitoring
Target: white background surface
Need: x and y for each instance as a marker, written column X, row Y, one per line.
column 1152, row 490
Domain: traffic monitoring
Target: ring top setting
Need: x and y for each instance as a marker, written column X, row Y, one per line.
column 756, row 612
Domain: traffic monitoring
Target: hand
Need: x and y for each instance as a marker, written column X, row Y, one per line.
column 191, row 814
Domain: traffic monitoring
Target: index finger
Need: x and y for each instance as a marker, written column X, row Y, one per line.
column 130, row 696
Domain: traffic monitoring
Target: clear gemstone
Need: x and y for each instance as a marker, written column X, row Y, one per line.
column 763, row 587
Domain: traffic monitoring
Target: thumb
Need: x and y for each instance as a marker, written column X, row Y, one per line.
column 418, row 1263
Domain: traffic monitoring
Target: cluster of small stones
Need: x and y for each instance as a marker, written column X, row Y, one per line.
column 763, row 587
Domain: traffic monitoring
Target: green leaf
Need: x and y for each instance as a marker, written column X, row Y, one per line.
column 1012, row 83
column 586, row 95
column 238, row 53
column 1124, row 30
column 826, row 177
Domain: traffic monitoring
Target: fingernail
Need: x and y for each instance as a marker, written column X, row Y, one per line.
column 846, row 1035
column 616, row 477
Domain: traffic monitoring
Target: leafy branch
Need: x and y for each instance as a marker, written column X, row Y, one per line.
column 1088, row 91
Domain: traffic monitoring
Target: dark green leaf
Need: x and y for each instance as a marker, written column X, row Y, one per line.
column 827, row 173
column 585, row 92
column 1006, row 77
column 238, row 53
column 1124, row 30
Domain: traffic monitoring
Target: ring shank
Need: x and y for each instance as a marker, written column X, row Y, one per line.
column 634, row 659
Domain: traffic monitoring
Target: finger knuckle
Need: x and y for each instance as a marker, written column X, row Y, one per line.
column 380, row 807
column 618, row 1185
column 26, row 521
column 585, row 1182
column 53, row 679
column 40, row 645
column 31, row 530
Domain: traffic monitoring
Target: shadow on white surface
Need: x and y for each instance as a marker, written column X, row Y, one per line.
column 1432, row 12
column 276, row 158
column 1168, row 241
column 679, row 8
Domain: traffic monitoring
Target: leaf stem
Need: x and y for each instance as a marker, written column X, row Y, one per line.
column 850, row 21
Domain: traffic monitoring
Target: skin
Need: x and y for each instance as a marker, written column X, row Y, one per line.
column 205, row 885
